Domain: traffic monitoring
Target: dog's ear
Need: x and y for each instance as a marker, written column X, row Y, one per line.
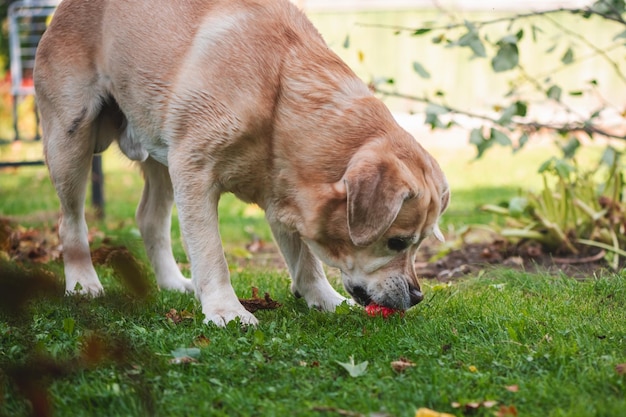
column 445, row 201
column 375, row 193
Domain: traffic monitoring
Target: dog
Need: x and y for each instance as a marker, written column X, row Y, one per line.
column 239, row 96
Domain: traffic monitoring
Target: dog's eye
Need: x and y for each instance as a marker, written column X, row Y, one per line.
column 397, row 244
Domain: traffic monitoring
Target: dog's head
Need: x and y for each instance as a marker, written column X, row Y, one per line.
column 389, row 200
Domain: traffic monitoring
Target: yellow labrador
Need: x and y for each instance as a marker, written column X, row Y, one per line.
column 239, row 96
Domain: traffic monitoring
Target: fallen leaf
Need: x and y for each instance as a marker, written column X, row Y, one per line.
column 256, row 303
column 427, row 412
column 512, row 388
column 506, row 411
column 401, row 365
column 173, row 316
column 202, row 341
column 620, row 369
column 185, row 355
column 472, row 368
column 354, row 369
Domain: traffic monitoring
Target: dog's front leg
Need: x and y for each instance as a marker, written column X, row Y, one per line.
column 197, row 196
column 307, row 274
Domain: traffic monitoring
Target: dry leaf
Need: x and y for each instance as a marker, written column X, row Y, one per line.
column 512, row 388
column 427, row 412
column 202, row 341
column 173, row 316
column 256, row 303
column 506, row 411
column 401, row 364
column 620, row 369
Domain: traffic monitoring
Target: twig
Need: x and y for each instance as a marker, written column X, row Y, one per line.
column 584, row 260
column 584, row 40
column 582, row 126
column 480, row 24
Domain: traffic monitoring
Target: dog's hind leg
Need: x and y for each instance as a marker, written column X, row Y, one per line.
column 154, row 220
column 69, row 144
column 308, row 278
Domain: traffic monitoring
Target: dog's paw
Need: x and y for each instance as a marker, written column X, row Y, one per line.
column 181, row 284
column 89, row 284
column 222, row 316
column 327, row 301
column 91, row 290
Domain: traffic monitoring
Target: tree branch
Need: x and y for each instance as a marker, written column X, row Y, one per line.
column 615, row 18
column 581, row 126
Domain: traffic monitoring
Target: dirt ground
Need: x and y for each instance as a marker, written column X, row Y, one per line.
column 436, row 261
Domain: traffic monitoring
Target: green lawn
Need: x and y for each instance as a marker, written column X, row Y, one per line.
column 548, row 346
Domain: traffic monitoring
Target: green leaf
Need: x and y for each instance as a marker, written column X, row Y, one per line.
column 473, row 41
column 433, row 120
column 521, row 107
column 433, row 111
column 506, row 58
column 576, row 93
column 609, row 7
column 563, row 169
column 554, row 92
column 518, row 108
column 547, row 165
column 433, row 108
column 346, row 42
column 507, row 114
column 517, row 206
column 421, row 31
column 570, row 148
column 417, row 67
column 186, row 352
column 523, row 140
column 568, row 56
column 355, row 370
column 478, row 139
column 610, row 156
column 499, row 137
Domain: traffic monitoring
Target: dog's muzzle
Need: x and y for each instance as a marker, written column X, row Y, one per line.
column 397, row 294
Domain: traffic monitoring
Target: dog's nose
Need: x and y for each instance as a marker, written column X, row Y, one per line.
column 415, row 295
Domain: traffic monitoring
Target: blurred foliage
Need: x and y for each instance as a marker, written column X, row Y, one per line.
column 516, row 118
column 575, row 210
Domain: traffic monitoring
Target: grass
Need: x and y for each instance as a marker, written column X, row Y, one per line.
column 548, row 346
column 558, row 340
